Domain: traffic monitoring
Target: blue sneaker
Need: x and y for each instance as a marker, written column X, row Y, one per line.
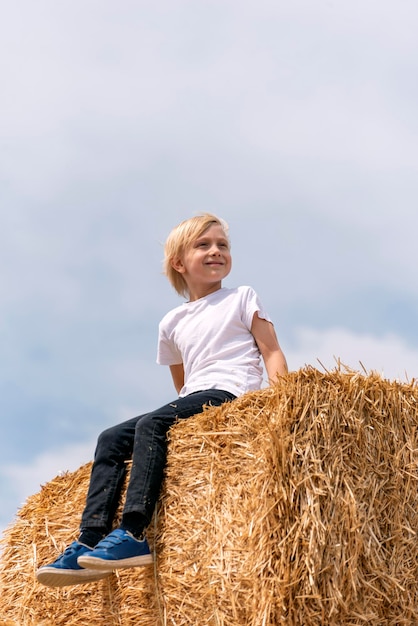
column 119, row 549
column 66, row 571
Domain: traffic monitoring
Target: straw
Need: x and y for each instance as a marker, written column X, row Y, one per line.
column 295, row 505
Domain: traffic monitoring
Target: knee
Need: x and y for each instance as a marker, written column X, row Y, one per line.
column 144, row 424
column 151, row 425
column 112, row 438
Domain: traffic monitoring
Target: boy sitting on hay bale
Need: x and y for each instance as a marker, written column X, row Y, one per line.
column 213, row 344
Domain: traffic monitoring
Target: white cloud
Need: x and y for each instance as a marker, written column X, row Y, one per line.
column 23, row 480
column 27, row 479
column 388, row 355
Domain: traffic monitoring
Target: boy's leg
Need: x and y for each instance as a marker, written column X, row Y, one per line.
column 124, row 547
column 114, row 447
column 150, row 448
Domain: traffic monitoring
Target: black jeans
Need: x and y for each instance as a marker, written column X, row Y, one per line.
column 144, row 440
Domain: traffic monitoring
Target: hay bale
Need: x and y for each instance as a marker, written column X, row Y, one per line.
column 294, row 505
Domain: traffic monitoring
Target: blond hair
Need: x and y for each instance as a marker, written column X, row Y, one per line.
column 179, row 240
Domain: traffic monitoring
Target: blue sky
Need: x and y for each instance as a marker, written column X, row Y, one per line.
column 294, row 120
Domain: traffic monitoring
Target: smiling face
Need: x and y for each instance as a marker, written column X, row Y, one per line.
column 205, row 263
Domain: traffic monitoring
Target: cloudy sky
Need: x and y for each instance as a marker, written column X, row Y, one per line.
column 295, row 120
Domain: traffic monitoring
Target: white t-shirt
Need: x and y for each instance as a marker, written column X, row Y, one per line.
column 212, row 338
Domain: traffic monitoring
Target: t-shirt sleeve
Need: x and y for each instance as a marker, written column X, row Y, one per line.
column 167, row 352
column 251, row 305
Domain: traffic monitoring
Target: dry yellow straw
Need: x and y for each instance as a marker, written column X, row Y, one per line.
column 295, row 505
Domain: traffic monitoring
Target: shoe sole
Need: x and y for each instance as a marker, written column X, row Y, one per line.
column 95, row 563
column 53, row 577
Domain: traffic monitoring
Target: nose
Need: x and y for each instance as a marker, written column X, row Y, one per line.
column 215, row 250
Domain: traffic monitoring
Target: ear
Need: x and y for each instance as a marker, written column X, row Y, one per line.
column 178, row 265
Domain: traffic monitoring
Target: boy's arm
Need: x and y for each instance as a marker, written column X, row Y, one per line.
column 273, row 357
column 177, row 373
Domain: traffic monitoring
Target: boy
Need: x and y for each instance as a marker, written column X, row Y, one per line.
column 212, row 344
